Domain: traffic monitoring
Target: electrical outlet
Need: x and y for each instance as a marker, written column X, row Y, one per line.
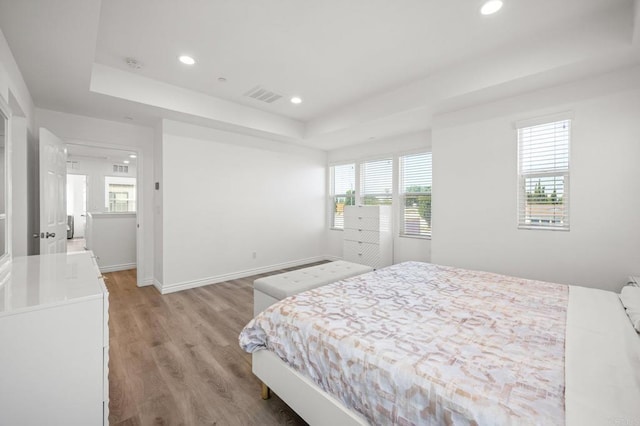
column 254, row 255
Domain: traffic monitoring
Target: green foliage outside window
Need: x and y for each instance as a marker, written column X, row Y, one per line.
column 422, row 200
column 539, row 196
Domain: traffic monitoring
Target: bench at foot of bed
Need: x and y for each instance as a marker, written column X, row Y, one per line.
column 269, row 290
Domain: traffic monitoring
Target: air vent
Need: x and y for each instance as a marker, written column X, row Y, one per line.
column 118, row 168
column 261, row 94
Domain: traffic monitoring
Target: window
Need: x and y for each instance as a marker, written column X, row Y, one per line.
column 120, row 194
column 343, row 182
column 543, row 173
column 415, row 195
column 376, row 179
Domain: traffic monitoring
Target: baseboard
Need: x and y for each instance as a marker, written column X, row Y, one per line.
column 332, row 258
column 146, row 282
column 185, row 285
column 114, row 268
column 157, row 284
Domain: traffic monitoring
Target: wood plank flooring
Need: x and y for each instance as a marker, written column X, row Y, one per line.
column 175, row 359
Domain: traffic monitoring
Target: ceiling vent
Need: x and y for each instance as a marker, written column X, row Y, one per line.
column 261, row 94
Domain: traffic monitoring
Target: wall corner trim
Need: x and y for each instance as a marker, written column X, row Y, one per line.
column 147, row 282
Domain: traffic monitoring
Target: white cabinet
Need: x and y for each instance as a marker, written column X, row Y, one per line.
column 367, row 235
column 54, row 342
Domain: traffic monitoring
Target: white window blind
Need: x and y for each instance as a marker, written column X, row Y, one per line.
column 376, row 182
column 343, row 182
column 543, row 173
column 415, row 195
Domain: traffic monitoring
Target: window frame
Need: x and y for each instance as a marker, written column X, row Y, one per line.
column 333, row 196
column 130, row 202
column 402, row 196
column 523, row 177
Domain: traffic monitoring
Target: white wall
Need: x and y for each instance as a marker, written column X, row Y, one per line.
column 158, row 221
column 227, row 196
column 13, row 89
column 19, row 193
column 78, row 129
column 404, row 248
column 15, row 93
column 112, row 237
column 475, row 186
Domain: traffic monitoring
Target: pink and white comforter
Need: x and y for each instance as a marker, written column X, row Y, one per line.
column 418, row 343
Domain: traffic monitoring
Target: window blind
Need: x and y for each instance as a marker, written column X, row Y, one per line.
column 376, row 181
column 543, row 173
column 343, row 182
column 415, row 194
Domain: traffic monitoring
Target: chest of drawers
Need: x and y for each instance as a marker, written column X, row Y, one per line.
column 54, row 342
column 367, row 235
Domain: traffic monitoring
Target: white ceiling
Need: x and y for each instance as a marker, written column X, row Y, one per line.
column 364, row 68
column 82, row 152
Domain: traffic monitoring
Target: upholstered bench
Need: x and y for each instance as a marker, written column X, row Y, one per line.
column 268, row 290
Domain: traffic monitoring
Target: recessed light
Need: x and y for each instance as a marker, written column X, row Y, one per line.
column 296, row 100
column 491, row 7
column 132, row 156
column 126, row 161
column 187, row 60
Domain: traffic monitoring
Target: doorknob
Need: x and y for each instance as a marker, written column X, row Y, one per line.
column 51, row 235
column 35, row 235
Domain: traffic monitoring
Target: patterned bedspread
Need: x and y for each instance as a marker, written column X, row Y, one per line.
column 418, row 343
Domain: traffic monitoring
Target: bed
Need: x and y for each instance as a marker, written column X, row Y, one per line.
column 418, row 343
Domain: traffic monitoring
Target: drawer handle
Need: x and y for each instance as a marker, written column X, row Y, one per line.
column 359, row 230
column 359, row 242
column 359, row 217
column 359, row 254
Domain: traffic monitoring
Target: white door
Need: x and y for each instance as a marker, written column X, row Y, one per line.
column 53, row 185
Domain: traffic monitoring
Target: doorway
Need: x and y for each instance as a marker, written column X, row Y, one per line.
column 102, row 194
column 76, row 212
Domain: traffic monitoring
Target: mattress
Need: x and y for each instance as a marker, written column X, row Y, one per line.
column 418, row 343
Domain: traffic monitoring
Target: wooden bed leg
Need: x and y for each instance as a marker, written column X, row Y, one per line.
column 266, row 392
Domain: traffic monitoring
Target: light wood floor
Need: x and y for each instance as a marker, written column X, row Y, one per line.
column 175, row 359
column 75, row 244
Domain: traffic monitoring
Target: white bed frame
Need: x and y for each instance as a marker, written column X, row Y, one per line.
column 313, row 404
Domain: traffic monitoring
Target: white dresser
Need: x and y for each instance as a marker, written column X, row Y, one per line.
column 368, row 239
column 54, row 342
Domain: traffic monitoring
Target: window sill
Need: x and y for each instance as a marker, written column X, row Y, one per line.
column 543, row 228
column 416, row 237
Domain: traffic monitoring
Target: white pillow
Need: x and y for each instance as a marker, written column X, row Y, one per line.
column 630, row 297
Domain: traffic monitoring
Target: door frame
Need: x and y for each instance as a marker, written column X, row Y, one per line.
column 86, row 199
column 7, row 256
column 140, row 184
